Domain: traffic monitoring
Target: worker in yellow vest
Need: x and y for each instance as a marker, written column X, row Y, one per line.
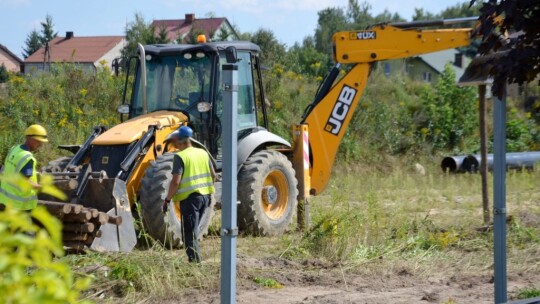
column 20, row 160
column 192, row 185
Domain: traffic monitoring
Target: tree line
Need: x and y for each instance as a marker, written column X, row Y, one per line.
column 313, row 55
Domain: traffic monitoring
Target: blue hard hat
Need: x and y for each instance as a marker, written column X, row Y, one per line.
column 183, row 132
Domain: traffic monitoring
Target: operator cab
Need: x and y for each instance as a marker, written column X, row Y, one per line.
column 187, row 78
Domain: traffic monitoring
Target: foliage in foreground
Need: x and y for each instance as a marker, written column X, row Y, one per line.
column 28, row 269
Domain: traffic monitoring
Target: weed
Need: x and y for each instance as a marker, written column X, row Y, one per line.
column 529, row 292
column 267, row 282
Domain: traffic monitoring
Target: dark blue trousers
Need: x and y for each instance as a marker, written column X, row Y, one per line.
column 192, row 209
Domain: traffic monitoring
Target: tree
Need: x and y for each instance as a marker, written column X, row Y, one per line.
column 162, row 36
column 357, row 17
column 449, row 112
column 520, row 60
column 420, row 14
column 47, row 30
column 460, row 10
column 32, row 44
column 192, row 36
column 272, row 51
column 4, row 75
column 305, row 59
column 223, row 34
column 331, row 20
column 138, row 31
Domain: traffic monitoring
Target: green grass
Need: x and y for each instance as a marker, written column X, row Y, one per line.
column 368, row 222
column 527, row 293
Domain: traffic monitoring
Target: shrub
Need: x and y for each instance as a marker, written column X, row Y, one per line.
column 27, row 267
column 4, row 75
column 68, row 102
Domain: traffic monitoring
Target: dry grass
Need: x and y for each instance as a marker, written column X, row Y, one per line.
column 368, row 224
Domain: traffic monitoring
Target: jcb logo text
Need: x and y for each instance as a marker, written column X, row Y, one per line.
column 340, row 111
column 366, row 35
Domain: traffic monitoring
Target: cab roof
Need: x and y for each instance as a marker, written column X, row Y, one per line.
column 169, row 49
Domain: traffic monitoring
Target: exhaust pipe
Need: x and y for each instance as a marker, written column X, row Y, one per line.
column 471, row 163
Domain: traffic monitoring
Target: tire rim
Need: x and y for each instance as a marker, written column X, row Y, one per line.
column 275, row 195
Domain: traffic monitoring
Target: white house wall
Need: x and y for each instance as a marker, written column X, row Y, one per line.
column 113, row 53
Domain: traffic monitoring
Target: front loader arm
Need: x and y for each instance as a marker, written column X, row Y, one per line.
column 329, row 116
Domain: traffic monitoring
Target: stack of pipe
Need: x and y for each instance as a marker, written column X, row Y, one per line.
column 80, row 224
column 471, row 163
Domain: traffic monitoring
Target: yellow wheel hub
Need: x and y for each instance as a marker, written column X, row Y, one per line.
column 275, row 194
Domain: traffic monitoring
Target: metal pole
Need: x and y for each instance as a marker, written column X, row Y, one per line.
column 499, row 197
column 229, row 229
column 484, row 153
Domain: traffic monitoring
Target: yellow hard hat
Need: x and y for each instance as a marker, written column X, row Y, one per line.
column 37, row 132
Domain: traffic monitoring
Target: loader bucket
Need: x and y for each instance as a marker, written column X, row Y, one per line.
column 110, row 195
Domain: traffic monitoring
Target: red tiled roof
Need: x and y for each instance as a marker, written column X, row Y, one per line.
column 78, row 49
column 177, row 28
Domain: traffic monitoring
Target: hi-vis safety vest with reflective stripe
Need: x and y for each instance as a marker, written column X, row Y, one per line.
column 11, row 194
column 196, row 177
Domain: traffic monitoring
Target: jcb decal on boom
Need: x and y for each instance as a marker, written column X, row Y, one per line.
column 363, row 35
column 341, row 109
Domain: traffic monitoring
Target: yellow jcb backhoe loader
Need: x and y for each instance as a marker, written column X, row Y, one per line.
column 130, row 164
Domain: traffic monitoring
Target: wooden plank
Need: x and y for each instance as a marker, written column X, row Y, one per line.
column 78, row 227
column 82, row 217
column 72, row 236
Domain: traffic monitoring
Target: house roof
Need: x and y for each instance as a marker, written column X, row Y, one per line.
column 10, row 53
column 78, row 49
column 438, row 61
column 177, row 28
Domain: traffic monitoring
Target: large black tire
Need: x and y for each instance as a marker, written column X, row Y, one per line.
column 267, row 190
column 166, row 228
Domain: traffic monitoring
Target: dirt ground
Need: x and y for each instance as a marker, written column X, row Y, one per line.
column 316, row 282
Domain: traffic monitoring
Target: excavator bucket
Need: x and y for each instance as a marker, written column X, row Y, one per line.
column 110, row 196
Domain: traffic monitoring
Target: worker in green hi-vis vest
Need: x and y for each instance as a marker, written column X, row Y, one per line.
column 191, row 185
column 20, row 160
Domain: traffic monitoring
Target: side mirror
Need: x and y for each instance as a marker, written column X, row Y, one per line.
column 230, row 55
column 204, row 107
column 123, row 109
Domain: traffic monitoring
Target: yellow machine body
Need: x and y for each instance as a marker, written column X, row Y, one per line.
column 132, row 130
column 329, row 119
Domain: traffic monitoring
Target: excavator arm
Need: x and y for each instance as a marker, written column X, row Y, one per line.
column 330, row 114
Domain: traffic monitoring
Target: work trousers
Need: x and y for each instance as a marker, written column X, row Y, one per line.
column 192, row 209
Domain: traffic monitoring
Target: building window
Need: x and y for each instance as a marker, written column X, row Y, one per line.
column 426, row 76
column 387, row 69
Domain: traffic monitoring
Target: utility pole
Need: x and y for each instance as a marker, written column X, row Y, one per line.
column 229, row 228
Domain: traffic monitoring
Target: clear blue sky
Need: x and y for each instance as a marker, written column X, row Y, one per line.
column 291, row 20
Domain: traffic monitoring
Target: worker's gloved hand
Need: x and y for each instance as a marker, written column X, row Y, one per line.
column 165, row 206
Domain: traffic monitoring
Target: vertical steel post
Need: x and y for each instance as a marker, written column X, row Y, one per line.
column 484, row 153
column 499, row 197
column 229, row 229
